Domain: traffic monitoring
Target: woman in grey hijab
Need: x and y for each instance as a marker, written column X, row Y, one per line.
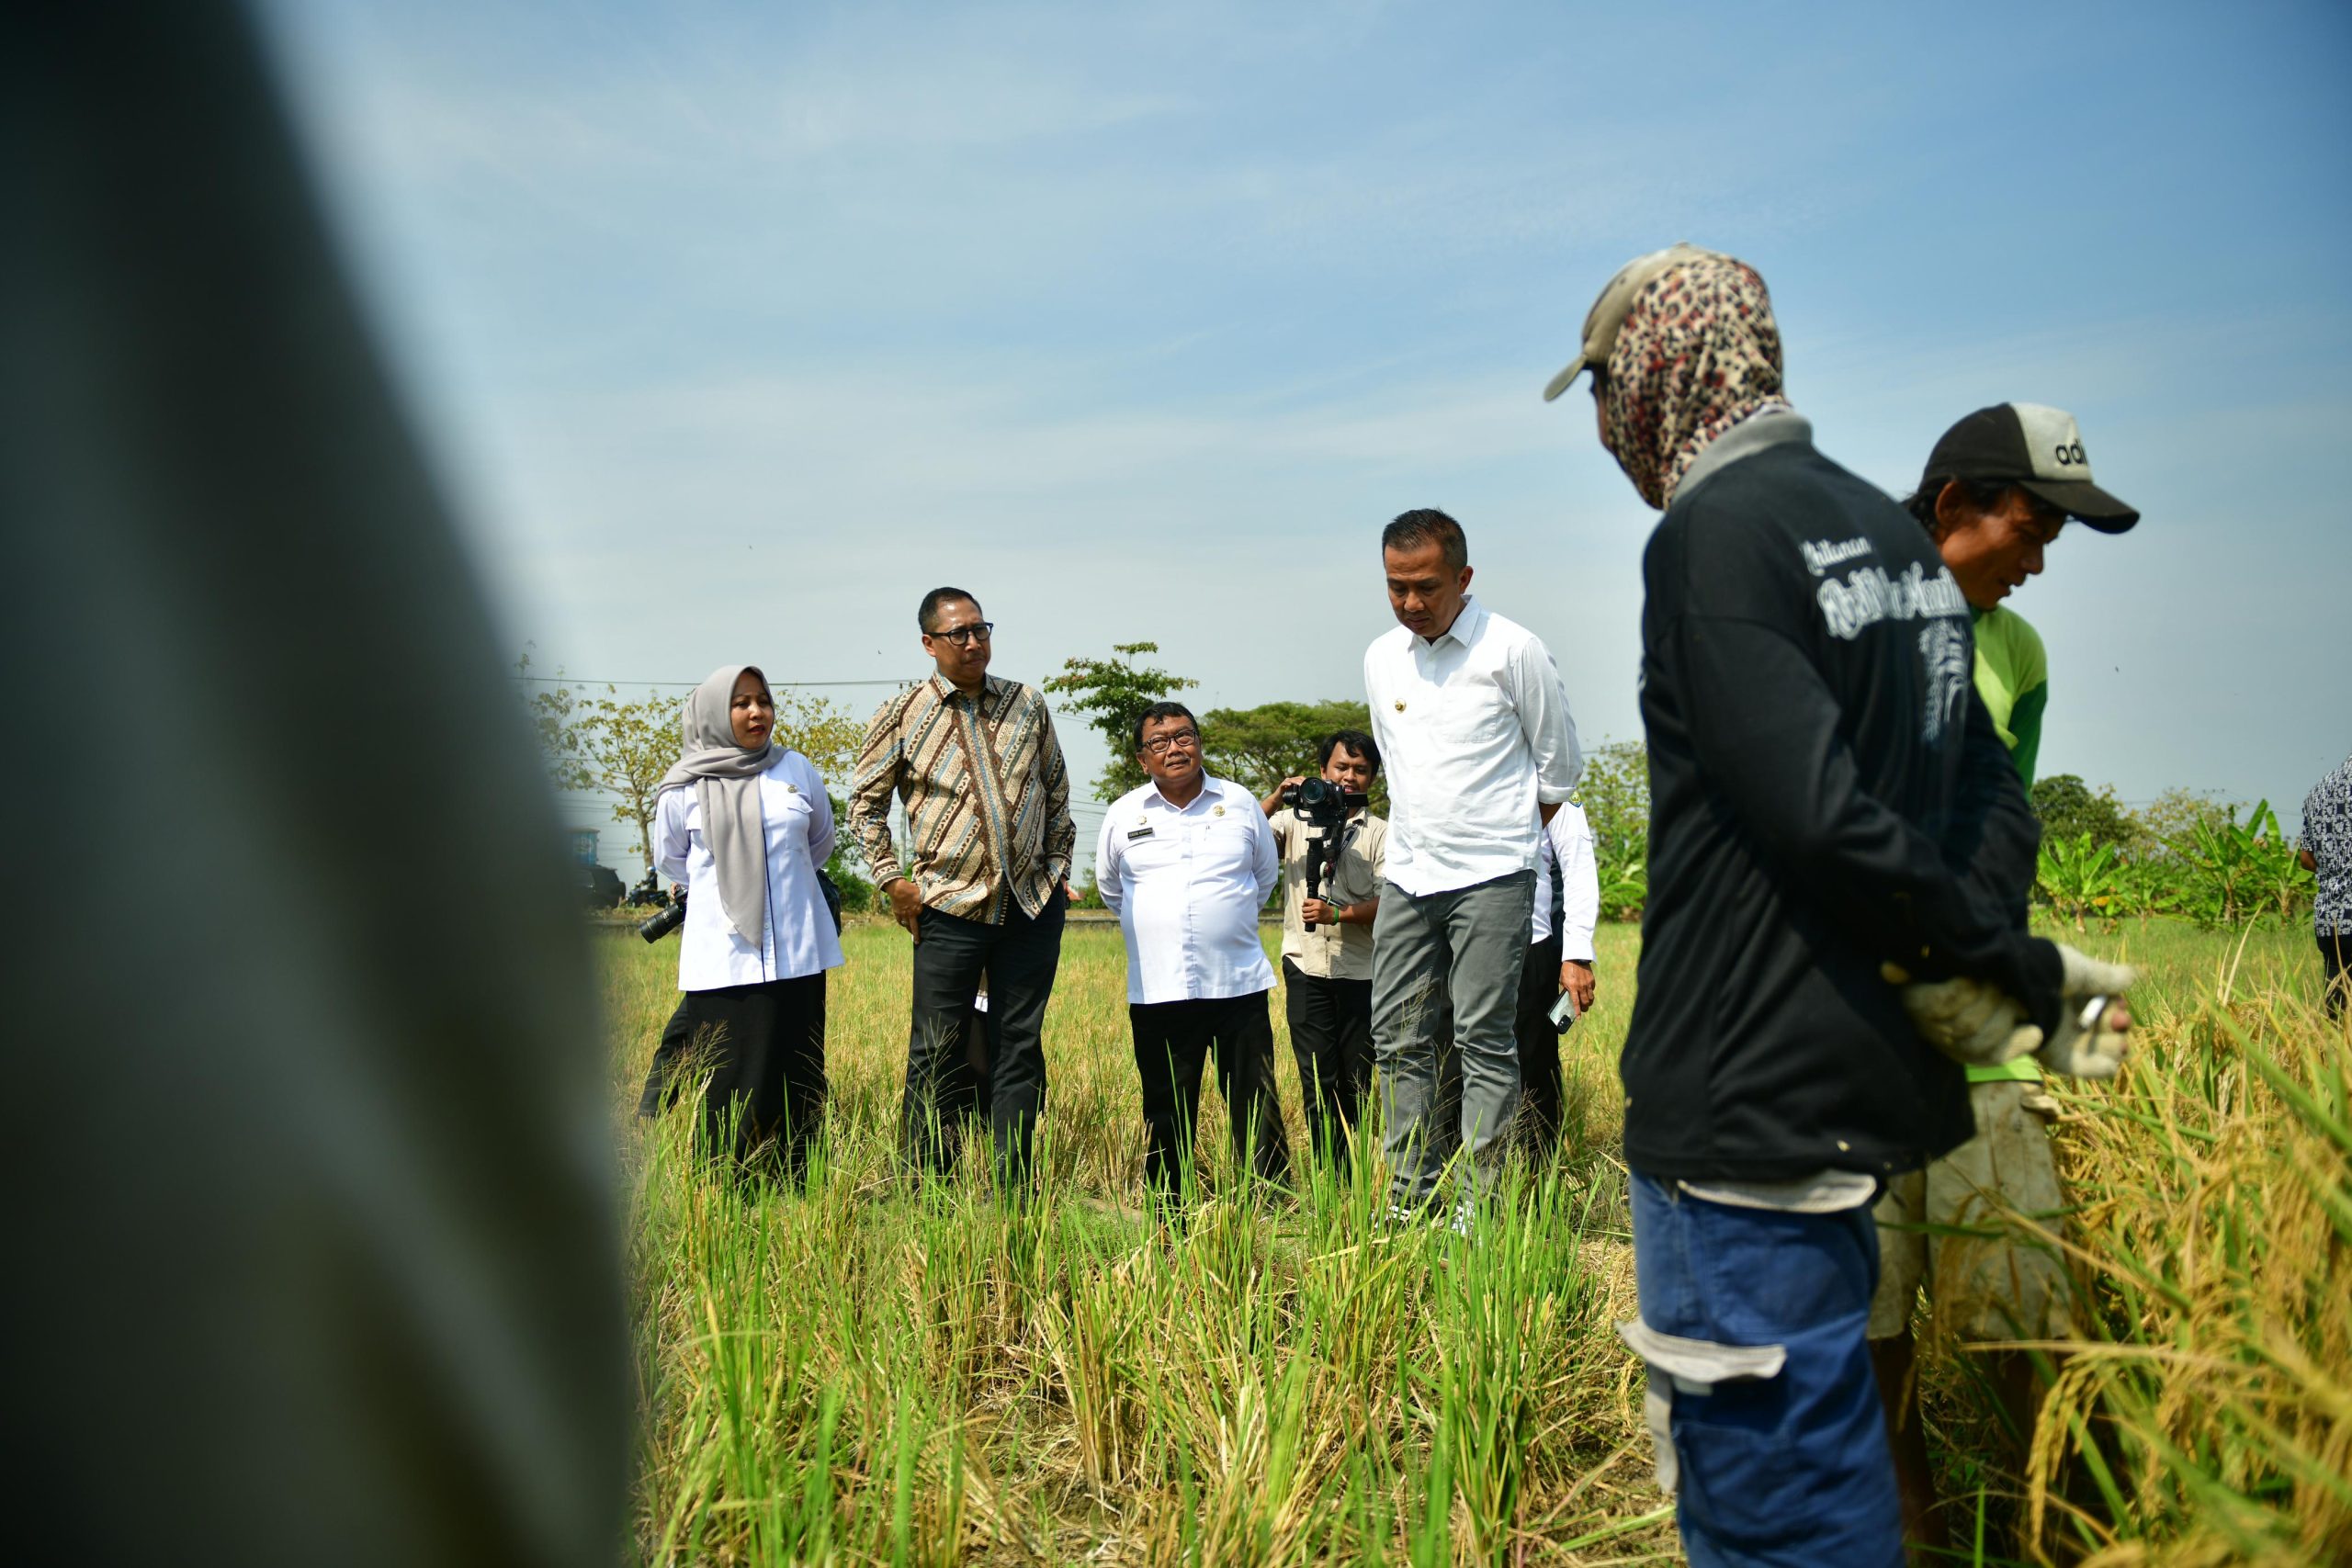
column 744, row 824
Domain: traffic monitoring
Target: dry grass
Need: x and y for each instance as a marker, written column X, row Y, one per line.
column 878, row 1371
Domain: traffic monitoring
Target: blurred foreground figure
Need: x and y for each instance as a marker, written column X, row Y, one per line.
column 1833, row 819
column 312, row 1255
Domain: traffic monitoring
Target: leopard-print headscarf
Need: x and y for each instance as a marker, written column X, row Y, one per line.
column 1699, row 353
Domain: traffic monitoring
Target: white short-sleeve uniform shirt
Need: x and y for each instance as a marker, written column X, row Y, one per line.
column 1187, row 883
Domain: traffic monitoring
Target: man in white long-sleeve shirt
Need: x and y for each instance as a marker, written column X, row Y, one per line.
column 1559, row 958
column 1469, row 713
column 1186, row 863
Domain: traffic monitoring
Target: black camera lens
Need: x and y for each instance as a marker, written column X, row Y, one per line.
column 663, row 924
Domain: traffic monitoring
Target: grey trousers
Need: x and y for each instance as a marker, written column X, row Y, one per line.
column 1466, row 944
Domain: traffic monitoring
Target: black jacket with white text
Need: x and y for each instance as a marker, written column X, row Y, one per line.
column 1826, row 792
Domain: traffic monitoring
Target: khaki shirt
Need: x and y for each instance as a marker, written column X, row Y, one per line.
column 1328, row 952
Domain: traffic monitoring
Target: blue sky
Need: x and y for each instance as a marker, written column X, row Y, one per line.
column 735, row 327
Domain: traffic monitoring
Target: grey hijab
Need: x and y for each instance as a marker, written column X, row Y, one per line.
column 725, row 782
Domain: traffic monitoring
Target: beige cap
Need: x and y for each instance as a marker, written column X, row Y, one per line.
column 1608, row 313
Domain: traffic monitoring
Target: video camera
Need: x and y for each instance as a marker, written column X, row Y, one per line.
column 1323, row 808
column 663, row 924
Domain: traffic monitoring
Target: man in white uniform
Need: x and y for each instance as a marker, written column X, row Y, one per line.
column 1186, row 863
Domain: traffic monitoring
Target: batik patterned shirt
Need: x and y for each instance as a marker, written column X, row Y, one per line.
column 2327, row 834
column 985, row 792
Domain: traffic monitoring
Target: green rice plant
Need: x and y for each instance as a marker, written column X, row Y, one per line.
column 871, row 1368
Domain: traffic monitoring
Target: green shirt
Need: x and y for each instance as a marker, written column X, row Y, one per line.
column 2013, row 677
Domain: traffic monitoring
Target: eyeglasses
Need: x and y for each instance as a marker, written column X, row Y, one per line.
column 965, row 636
column 1160, row 745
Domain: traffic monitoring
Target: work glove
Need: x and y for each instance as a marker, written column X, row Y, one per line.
column 1973, row 1022
column 2094, row 1026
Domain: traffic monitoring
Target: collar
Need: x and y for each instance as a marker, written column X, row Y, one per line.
column 1212, row 791
column 992, row 688
column 1466, row 627
column 1774, row 425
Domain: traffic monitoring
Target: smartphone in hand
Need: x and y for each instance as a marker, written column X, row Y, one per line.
column 1564, row 1011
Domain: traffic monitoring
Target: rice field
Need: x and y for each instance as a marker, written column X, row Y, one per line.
column 876, row 1370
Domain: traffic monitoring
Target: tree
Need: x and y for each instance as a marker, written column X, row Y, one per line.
column 1113, row 694
column 2176, row 814
column 623, row 749
column 822, row 730
column 1257, row 748
column 1615, row 795
column 2068, row 810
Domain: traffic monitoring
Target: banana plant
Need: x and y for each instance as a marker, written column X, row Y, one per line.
column 2078, row 875
column 1624, row 888
column 2233, row 871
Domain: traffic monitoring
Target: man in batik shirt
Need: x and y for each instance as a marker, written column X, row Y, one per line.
column 974, row 759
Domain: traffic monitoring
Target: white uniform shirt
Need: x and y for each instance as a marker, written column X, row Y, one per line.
column 1475, row 731
column 1187, row 884
column 798, row 937
column 1567, row 843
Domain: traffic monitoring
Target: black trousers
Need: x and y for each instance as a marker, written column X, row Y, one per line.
column 764, row 1047
column 1539, row 1048
column 1172, row 1041
column 665, row 1077
column 2335, row 971
column 1330, row 1033
column 960, row 1065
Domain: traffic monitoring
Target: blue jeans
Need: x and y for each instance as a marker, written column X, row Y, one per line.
column 1788, row 1468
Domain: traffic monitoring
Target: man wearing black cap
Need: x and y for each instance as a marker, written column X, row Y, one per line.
column 1832, row 815
column 1998, row 489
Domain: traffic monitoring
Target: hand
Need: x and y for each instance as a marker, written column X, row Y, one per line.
column 906, row 906
column 1070, row 893
column 1319, row 912
column 1975, row 1023
column 1290, row 783
column 1576, row 978
column 2089, row 1042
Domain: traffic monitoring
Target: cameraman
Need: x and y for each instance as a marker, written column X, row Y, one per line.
column 1326, row 942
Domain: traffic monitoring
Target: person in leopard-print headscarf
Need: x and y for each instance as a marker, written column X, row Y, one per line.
column 1834, row 815
column 1700, row 354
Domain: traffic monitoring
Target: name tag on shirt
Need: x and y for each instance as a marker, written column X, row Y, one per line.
column 1142, row 832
